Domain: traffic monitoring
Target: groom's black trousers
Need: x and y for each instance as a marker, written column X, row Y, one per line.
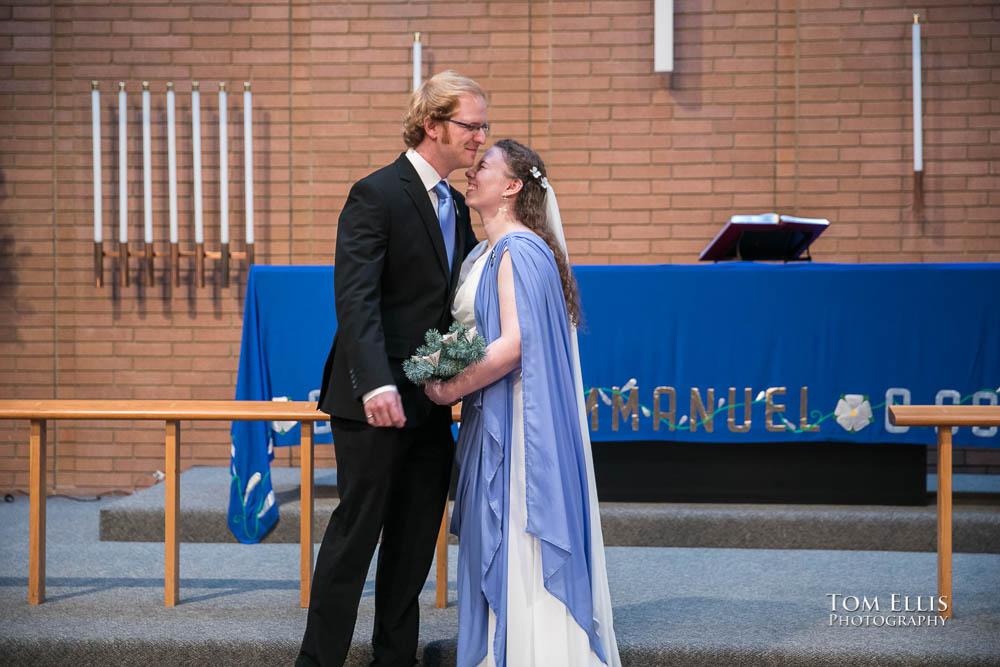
column 389, row 480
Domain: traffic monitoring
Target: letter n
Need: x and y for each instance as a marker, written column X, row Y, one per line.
column 699, row 412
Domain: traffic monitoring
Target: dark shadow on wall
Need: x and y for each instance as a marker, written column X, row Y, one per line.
column 684, row 82
column 8, row 263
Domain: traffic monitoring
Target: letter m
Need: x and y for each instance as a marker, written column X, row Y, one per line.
column 869, row 605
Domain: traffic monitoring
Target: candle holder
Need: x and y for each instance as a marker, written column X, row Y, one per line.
column 122, row 253
column 146, row 250
column 148, row 254
column 223, row 255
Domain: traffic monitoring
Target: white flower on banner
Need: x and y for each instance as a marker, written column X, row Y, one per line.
column 631, row 384
column 722, row 402
column 604, row 397
column 788, row 425
column 645, row 411
column 281, row 428
column 683, row 420
column 760, row 397
column 853, row 412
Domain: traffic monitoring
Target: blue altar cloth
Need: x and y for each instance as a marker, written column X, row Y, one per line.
column 842, row 339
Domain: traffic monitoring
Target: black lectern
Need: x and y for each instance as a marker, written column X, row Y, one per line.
column 767, row 236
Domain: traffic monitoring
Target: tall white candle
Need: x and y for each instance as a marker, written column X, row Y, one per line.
column 417, row 57
column 248, row 159
column 172, row 161
column 223, row 168
column 147, row 168
column 122, row 165
column 918, row 121
column 196, row 145
column 95, row 121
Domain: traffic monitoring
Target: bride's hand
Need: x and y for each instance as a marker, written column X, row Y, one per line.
column 438, row 392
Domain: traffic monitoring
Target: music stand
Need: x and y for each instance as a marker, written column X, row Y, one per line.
column 767, row 236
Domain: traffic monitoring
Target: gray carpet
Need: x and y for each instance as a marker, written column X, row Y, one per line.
column 673, row 606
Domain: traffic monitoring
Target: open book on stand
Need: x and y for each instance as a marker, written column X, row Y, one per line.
column 766, row 236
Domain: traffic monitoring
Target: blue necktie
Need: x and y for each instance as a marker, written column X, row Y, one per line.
column 446, row 217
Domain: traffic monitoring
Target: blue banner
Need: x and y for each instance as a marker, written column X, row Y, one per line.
column 735, row 352
column 745, row 352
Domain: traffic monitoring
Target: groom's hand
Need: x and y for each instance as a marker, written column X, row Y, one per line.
column 385, row 409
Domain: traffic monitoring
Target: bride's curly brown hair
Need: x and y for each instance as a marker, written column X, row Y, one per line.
column 529, row 208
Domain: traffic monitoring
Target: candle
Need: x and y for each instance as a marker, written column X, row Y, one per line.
column 122, row 166
column 223, row 168
column 416, row 61
column 172, row 161
column 248, row 159
column 918, row 123
column 147, row 168
column 95, row 120
column 196, row 144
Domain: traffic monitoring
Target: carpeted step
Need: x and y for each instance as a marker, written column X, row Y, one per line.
column 697, row 607
column 204, row 494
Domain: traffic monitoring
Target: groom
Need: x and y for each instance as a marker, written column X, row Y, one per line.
column 401, row 239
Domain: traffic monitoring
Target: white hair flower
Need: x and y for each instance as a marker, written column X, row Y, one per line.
column 537, row 175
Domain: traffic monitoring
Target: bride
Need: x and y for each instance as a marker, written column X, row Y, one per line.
column 532, row 580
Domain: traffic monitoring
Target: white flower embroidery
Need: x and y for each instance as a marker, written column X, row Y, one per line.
column 853, row 412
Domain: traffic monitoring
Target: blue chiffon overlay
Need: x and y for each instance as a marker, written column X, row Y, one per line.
column 556, row 474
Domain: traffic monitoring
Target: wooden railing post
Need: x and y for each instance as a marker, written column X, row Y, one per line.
column 944, row 517
column 36, row 539
column 306, row 512
column 441, row 575
column 171, row 513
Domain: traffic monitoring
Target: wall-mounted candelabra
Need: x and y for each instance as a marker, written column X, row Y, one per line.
column 146, row 251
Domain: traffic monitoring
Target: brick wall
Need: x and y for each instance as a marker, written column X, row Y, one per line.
column 802, row 107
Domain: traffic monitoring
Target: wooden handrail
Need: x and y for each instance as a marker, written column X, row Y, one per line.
column 944, row 417
column 172, row 412
column 304, row 411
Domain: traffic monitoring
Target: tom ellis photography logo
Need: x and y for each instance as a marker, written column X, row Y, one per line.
column 894, row 610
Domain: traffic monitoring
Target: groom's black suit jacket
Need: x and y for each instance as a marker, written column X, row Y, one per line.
column 392, row 284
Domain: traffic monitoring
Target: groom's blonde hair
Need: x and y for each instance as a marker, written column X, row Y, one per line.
column 436, row 99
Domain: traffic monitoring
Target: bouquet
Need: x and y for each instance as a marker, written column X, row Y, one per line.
column 444, row 357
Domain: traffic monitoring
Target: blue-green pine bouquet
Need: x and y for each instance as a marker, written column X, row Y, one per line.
column 443, row 357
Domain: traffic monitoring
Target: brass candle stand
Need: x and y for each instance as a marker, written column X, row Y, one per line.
column 148, row 253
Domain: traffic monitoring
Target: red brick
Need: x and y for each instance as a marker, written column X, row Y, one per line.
column 673, row 153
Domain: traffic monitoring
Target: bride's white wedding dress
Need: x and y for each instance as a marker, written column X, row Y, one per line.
column 540, row 630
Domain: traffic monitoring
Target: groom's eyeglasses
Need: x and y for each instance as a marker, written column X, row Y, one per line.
column 472, row 127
